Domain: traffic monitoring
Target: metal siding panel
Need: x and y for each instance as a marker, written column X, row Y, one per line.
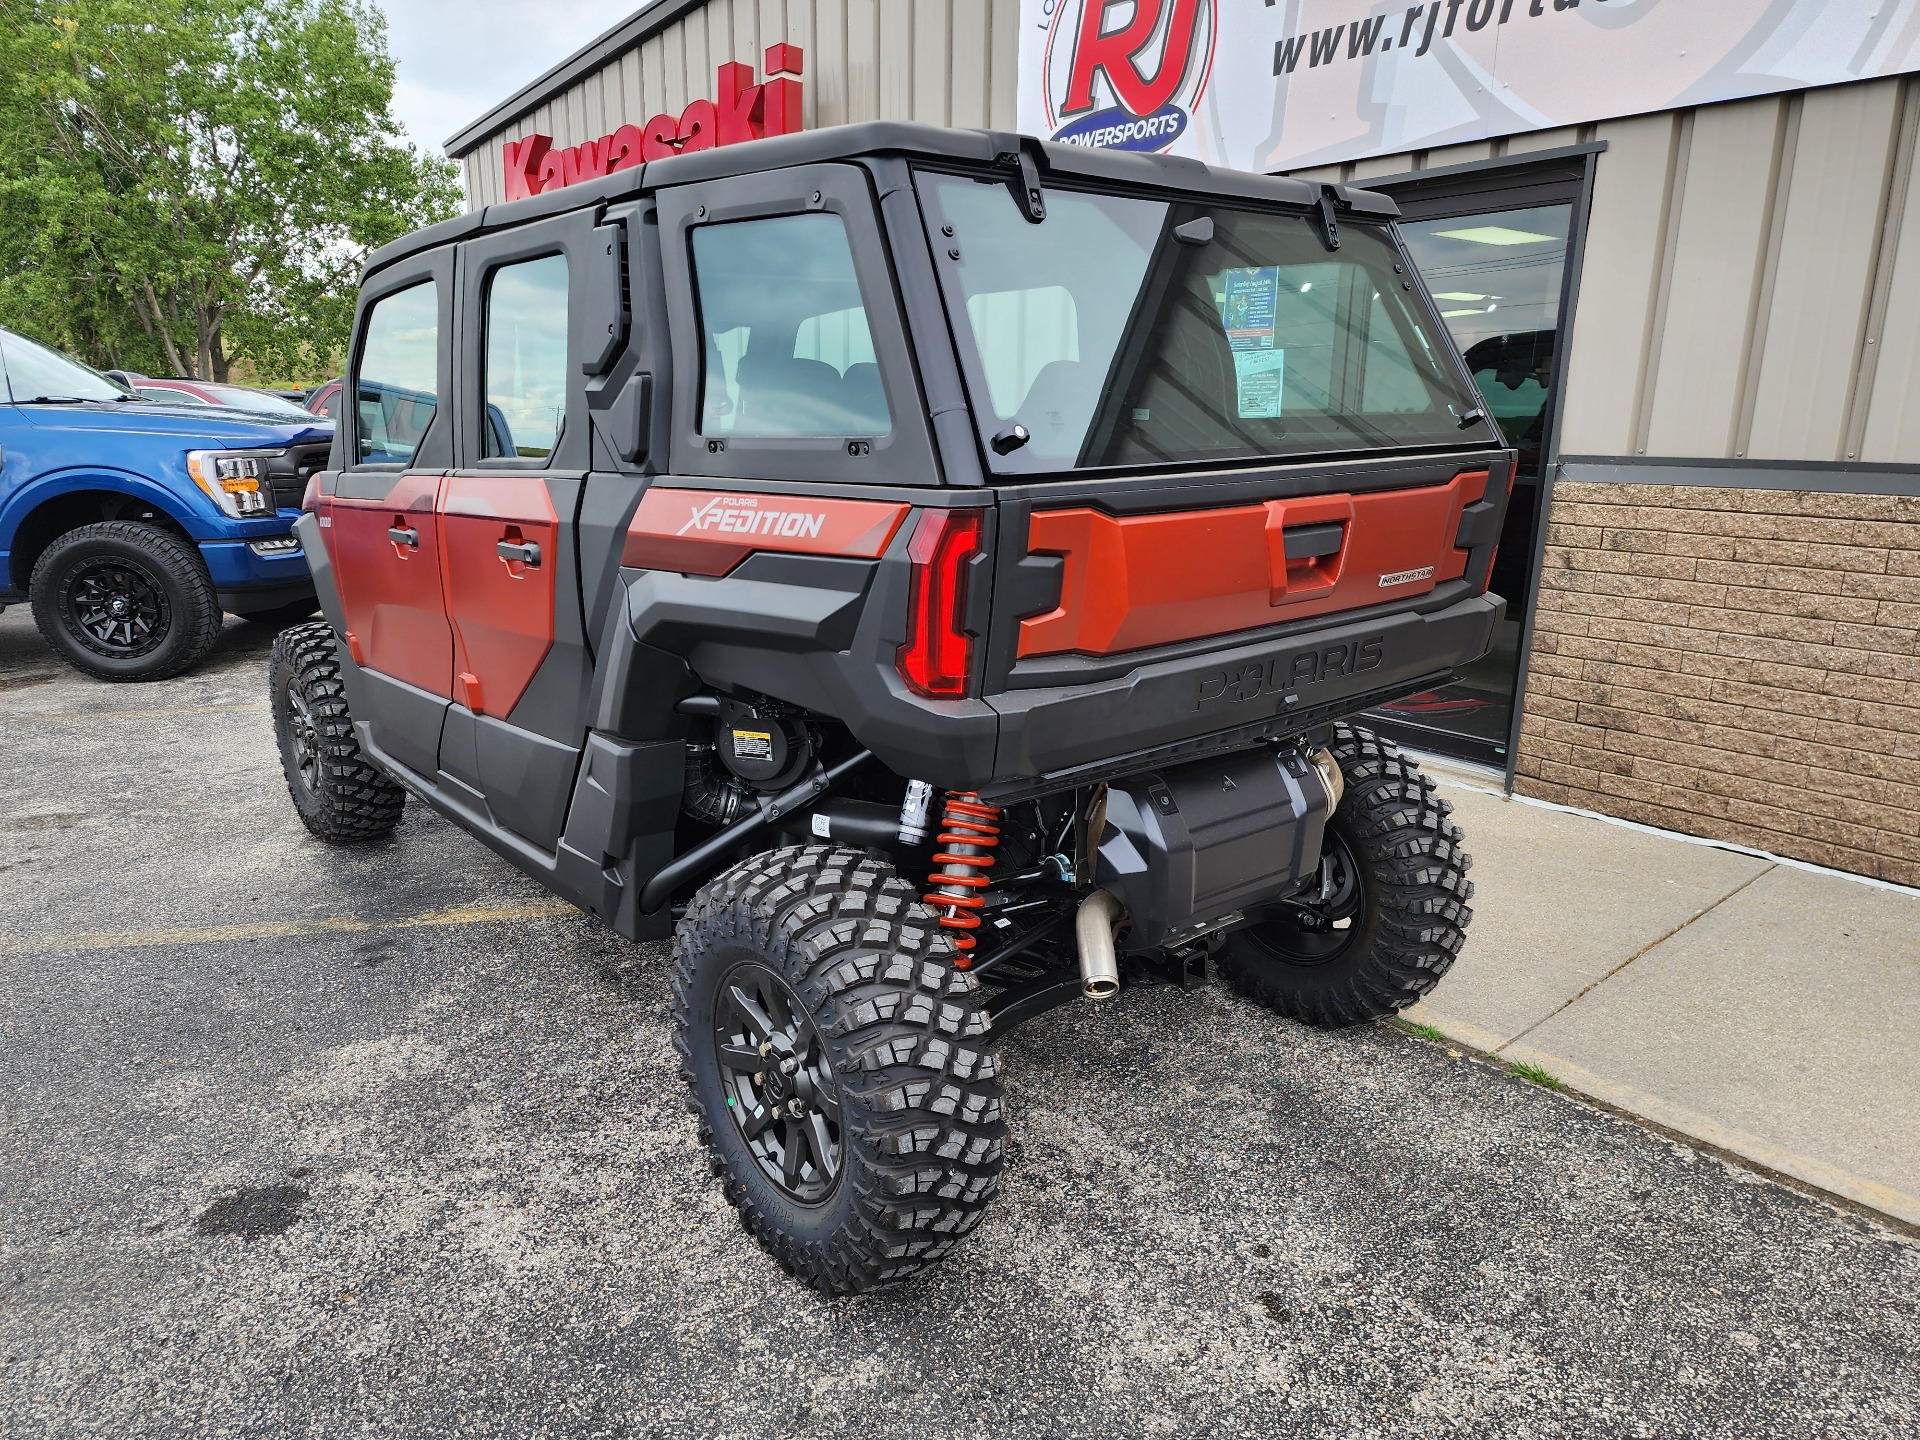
column 1813, row 334
column 1893, row 410
column 827, row 70
column 863, row 60
column 1003, row 66
column 1543, row 140
column 1458, row 154
column 932, row 62
column 1318, row 173
column 1618, row 281
column 1382, row 165
column 968, row 35
column 896, row 59
column 1716, row 265
column 653, row 79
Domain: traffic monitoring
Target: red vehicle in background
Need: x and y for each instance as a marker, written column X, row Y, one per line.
column 174, row 390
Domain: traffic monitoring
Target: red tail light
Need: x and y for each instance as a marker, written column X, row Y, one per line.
column 938, row 655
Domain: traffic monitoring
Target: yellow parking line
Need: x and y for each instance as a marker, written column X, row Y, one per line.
column 77, row 941
column 106, row 713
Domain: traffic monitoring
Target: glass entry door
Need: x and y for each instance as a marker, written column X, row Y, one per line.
column 1496, row 262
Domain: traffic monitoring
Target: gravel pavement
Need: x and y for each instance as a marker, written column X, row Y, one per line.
column 309, row 1142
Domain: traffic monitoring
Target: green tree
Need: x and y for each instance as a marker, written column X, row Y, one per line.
column 184, row 183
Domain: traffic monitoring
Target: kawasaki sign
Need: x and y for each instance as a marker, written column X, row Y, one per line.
column 1279, row 84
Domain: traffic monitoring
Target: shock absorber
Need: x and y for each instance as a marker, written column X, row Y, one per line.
column 969, row 834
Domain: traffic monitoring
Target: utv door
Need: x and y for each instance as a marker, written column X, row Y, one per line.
column 520, row 666
column 383, row 531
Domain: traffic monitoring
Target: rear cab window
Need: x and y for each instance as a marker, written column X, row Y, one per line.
column 1131, row 331
column 792, row 358
column 398, row 375
column 526, row 360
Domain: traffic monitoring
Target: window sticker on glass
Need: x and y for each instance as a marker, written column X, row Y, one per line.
column 1248, row 311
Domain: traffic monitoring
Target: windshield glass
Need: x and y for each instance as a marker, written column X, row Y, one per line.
column 33, row 372
column 1116, row 341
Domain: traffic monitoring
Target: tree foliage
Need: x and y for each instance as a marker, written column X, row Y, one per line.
column 188, row 182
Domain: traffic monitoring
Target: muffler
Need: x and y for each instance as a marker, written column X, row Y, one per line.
column 1099, row 961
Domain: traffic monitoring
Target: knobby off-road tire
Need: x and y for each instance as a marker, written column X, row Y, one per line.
column 120, row 600
column 341, row 797
column 882, row 1020
column 1403, row 892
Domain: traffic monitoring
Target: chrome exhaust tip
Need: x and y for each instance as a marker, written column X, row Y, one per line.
column 1099, row 960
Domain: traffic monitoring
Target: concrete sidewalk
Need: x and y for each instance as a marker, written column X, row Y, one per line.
column 1764, row 1009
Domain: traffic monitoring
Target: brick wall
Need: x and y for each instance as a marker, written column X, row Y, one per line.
column 1738, row 664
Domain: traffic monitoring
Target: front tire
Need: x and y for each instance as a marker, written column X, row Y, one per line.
column 340, row 796
column 124, row 601
column 820, row 967
column 1397, row 912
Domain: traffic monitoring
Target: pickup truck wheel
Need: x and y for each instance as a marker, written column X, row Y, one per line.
column 124, row 601
column 340, row 796
column 838, row 1066
column 1395, row 911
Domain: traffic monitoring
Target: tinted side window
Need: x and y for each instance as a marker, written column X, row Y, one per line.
column 788, row 348
column 526, row 374
column 399, row 374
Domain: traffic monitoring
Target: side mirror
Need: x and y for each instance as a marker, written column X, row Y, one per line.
column 603, row 298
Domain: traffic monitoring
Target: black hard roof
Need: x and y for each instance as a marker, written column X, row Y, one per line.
column 875, row 138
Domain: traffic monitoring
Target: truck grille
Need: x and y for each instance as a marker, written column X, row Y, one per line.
column 288, row 474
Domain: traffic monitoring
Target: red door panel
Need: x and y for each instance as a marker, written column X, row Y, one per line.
column 499, row 536
column 386, row 554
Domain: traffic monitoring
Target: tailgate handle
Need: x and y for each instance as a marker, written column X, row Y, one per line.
column 1306, row 546
column 1310, row 542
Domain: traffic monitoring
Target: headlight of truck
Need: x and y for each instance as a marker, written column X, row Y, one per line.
column 235, row 479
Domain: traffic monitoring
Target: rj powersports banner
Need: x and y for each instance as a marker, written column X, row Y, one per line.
column 1280, row 84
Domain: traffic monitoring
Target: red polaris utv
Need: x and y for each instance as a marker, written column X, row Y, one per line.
column 924, row 572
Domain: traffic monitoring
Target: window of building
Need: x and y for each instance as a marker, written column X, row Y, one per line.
column 399, row 374
column 793, row 358
column 526, row 374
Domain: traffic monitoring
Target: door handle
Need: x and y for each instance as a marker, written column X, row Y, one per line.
column 524, row 552
column 404, row 535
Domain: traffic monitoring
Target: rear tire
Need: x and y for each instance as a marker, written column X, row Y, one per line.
column 341, row 797
column 119, row 600
column 826, row 960
column 1401, row 890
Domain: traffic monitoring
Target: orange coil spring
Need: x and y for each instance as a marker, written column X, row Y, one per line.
column 967, row 839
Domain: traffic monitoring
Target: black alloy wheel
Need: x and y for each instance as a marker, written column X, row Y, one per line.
column 1320, row 928
column 117, row 607
column 838, row 1064
column 303, row 740
column 1389, row 912
column 779, row 1082
column 339, row 794
column 125, row 600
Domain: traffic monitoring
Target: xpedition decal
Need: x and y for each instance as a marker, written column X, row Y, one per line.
column 1126, row 74
column 707, row 532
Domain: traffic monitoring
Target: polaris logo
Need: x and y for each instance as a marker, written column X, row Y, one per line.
column 1406, row 577
column 1289, row 673
column 742, row 515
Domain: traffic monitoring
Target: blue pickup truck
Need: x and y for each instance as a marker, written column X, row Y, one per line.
column 132, row 526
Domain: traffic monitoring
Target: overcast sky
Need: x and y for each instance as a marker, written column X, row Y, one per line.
column 460, row 58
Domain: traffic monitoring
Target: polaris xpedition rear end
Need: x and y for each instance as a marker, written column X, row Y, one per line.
column 927, row 573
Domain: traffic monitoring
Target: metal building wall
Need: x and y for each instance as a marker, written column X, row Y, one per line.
column 944, row 62
column 1751, row 286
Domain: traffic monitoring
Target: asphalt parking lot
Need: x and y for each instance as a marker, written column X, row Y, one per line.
column 302, row 1141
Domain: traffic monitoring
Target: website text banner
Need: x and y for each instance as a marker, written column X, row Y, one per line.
column 1281, row 84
